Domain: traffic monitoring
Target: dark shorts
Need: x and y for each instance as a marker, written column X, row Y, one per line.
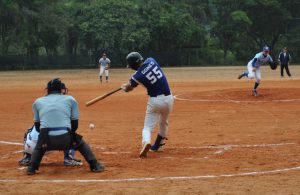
column 59, row 142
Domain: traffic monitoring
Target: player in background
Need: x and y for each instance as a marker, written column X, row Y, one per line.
column 254, row 67
column 30, row 140
column 284, row 58
column 104, row 65
column 160, row 103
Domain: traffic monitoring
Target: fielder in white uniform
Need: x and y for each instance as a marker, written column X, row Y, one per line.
column 160, row 103
column 104, row 65
column 254, row 67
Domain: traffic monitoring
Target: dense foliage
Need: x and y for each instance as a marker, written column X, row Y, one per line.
column 178, row 32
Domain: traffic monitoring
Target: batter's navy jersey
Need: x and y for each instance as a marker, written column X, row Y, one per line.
column 152, row 77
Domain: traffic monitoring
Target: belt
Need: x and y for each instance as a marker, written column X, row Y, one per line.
column 165, row 94
column 57, row 128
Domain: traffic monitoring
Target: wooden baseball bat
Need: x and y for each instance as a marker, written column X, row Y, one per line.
column 102, row 97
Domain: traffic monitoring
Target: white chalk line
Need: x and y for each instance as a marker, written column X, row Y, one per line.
column 142, row 179
column 187, row 147
column 170, row 178
column 231, row 101
column 234, row 146
column 11, row 143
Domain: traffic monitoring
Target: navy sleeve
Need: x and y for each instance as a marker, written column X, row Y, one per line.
column 254, row 61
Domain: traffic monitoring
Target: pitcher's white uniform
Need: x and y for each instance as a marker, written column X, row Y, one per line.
column 253, row 67
column 256, row 62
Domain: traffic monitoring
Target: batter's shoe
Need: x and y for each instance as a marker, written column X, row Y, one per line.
column 157, row 146
column 96, row 166
column 25, row 160
column 254, row 93
column 145, row 150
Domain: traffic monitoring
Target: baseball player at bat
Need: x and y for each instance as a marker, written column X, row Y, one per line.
column 160, row 103
column 104, row 65
column 254, row 67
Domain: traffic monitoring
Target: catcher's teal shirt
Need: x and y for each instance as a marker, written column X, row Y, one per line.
column 55, row 111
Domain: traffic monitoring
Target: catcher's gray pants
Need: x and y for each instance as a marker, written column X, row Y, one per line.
column 60, row 142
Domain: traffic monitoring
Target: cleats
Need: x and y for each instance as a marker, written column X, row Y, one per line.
column 145, row 150
column 254, row 93
column 159, row 143
column 241, row 75
column 25, row 160
column 96, row 166
column 31, row 169
column 72, row 162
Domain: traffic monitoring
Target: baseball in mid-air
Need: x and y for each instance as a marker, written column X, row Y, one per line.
column 91, row 126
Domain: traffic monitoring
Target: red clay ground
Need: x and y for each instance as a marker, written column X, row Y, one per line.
column 221, row 139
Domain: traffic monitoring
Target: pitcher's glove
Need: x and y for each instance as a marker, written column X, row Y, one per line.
column 273, row 65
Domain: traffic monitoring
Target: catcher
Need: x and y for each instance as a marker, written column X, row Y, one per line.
column 254, row 67
column 56, row 118
column 30, row 140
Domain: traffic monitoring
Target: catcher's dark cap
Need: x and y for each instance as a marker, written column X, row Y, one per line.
column 55, row 85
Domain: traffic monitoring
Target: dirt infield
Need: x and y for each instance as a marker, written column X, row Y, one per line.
column 222, row 140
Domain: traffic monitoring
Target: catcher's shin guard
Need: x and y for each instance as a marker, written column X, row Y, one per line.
column 158, row 143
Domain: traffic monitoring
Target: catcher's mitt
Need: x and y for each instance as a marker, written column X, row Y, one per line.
column 273, row 65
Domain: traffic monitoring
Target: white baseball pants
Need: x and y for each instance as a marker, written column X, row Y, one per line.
column 158, row 108
column 256, row 74
column 103, row 69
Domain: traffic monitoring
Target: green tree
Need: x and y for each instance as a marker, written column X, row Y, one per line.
column 269, row 19
column 9, row 19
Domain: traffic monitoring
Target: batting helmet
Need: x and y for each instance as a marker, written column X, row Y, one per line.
column 55, row 86
column 134, row 59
